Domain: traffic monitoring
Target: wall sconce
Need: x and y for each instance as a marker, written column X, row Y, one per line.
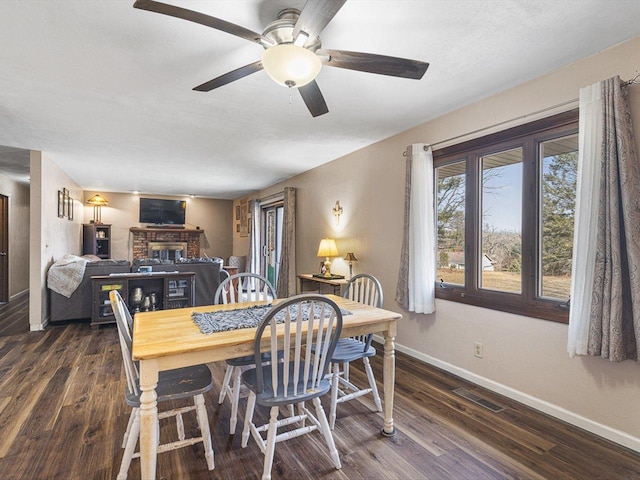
column 97, row 202
column 337, row 211
column 327, row 249
column 350, row 257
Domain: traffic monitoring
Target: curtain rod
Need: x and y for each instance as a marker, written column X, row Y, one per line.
column 504, row 122
column 273, row 196
column 633, row 81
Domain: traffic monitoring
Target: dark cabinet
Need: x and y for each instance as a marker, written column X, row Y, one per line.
column 96, row 239
column 142, row 292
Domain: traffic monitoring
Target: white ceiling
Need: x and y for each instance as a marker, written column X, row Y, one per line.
column 106, row 89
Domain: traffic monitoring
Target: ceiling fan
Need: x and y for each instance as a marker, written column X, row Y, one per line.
column 292, row 53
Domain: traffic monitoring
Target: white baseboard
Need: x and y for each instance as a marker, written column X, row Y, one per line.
column 560, row 413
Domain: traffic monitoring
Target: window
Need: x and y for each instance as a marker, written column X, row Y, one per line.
column 505, row 210
column 450, row 222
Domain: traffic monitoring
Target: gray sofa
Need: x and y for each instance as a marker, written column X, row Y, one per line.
column 79, row 305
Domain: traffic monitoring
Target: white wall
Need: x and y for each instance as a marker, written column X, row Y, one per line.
column 122, row 213
column 18, row 194
column 524, row 358
column 50, row 237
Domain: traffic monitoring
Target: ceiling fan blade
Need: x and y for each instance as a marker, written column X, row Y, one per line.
column 229, row 77
column 201, row 18
column 372, row 63
column 313, row 98
column 315, row 15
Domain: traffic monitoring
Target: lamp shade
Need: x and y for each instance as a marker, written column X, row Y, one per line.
column 350, row 257
column 98, row 201
column 328, row 248
column 290, row 65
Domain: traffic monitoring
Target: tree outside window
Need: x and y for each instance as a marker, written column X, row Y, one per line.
column 505, row 211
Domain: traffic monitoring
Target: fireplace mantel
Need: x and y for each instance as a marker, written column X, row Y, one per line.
column 142, row 237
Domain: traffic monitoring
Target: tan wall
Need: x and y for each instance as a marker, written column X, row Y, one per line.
column 523, row 357
column 18, row 194
column 50, row 237
column 212, row 216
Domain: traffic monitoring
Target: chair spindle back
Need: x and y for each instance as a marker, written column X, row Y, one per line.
column 364, row 288
column 125, row 325
column 244, row 287
column 310, row 326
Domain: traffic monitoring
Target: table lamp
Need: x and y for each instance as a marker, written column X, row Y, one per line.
column 327, row 249
column 350, row 257
column 97, row 201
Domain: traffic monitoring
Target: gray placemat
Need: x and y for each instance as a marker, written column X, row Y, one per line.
column 249, row 317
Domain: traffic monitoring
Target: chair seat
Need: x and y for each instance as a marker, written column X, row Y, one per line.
column 267, row 398
column 176, row 384
column 250, row 359
column 349, row 349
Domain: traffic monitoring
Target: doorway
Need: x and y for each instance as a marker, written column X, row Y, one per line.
column 271, row 241
column 4, row 249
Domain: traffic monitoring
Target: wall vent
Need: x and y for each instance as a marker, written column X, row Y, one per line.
column 483, row 402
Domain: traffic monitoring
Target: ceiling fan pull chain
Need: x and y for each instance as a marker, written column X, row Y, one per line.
column 290, row 109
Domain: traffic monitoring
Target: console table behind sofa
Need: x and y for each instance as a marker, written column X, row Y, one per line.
column 79, row 305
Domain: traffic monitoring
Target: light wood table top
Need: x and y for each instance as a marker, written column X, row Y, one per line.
column 172, row 332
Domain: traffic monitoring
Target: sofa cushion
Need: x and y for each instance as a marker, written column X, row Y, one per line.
column 106, row 263
column 151, row 261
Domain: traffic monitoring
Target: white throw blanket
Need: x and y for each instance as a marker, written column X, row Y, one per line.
column 65, row 274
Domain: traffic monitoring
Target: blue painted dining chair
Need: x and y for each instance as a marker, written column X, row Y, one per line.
column 240, row 288
column 362, row 288
column 304, row 330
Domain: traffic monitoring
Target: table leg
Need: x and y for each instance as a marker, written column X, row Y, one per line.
column 389, row 379
column 149, row 429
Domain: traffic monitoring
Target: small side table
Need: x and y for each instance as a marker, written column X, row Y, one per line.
column 321, row 285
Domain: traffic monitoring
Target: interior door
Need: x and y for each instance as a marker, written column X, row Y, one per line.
column 4, row 249
column 271, row 242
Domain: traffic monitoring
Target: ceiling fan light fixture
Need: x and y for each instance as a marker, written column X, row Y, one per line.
column 290, row 65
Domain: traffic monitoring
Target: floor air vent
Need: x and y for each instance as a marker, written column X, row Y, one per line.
column 483, row 402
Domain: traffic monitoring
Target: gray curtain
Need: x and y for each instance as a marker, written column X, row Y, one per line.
column 287, row 274
column 402, row 288
column 614, row 327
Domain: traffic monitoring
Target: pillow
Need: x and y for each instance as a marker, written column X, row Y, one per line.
column 197, row 260
column 91, row 258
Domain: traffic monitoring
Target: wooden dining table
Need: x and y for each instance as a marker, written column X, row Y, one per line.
column 168, row 339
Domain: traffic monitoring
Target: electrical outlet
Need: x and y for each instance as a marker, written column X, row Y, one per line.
column 477, row 349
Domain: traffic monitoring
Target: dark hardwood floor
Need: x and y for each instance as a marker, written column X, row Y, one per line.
column 62, row 416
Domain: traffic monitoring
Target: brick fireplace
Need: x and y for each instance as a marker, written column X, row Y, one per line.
column 150, row 243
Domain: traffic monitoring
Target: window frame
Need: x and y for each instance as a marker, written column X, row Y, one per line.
column 529, row 137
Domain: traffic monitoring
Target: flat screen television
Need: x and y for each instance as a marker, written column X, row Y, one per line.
column 162, row 212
